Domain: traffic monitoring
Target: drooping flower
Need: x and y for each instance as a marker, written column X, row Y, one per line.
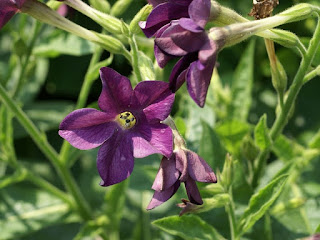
column 183, row 166
column 128, row 125
column 185, row 37
column 8, row 8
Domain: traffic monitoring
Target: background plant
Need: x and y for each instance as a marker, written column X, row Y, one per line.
column 268, row 183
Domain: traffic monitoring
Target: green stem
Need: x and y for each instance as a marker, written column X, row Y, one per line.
column 232, row 217
column 82, row 100
column 135, row 57
column 35, row 33
column 40, row 182
column 49, row 152
column 312, row 74
column 284, row 115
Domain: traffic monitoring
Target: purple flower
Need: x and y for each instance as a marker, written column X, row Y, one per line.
column 185, row 37
column 183, row 166
column 128, row 125
column 8, row 8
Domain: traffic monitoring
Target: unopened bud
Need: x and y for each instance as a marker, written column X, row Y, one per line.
column 101, row 5
column 120, row 7
column 227, row 173
column 249, row 149
column 140, row 16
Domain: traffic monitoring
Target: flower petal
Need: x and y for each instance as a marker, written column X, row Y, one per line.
column 155, row 98
column 193, row 192
column 182, row 164
column 177, row 76
column 150, row 139
column 165, row 42
column 87, row 128
column 199, row 12
column 161, row 57
column 7, row 9
column 115, row 160
column 198, row 169
column 167, row 174
column 208, row 52
column 163, row 196
column 190, row 25
column 161, row 15
column 155, row 3
column 189, row 41
column 116, row 92
column 198, row 81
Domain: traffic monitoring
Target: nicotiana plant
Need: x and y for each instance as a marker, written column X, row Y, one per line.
column 243, row 180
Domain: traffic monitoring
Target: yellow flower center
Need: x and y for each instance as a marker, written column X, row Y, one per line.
column 126, row 120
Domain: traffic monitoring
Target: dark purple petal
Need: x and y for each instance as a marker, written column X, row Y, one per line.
column 208, row 52
column 190, row 25
column 161, row 57
column 182, row 165
column 167, row 174
column 189, row 41
column 150, row 139
column 177, row 76
column 116, row 92
column 161, row 15
column 198, row 80
column 198, row 169
column 87, row 128
column 199, row 12
column 193, row 192
column 163, row 196
column 115, row 159
column 7, row 9
column 181, row 2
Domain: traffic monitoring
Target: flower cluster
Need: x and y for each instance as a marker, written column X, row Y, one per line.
column 179, row 30
column 130, row 125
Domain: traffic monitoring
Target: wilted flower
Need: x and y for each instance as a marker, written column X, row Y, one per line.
column 8, row 8
column 183, row 166
column 185, row 36
column 128, row 125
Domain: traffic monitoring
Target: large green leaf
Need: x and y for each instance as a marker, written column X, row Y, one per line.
column 242, row 84
column 211, row 148
column 63, row 43
column 187, row 227
column 261, row 202
column 231, row 133
column 24, row 210
column 261, row 134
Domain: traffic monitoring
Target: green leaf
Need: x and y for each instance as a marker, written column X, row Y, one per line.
column 24, row 210
column 242, row 84
column 261, row 202
column 261, row 134
column 286, row 149
column 63, row 43
column 318, row 229
column 315, row 141
column 231, row 133
column 211, row 148
column 187, row 227
column 36, row 77
column 146, row 67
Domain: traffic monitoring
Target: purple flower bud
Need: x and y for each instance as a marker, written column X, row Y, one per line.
column 8, row 8
column 128, row 125
column 179, row 32
column 183, row 166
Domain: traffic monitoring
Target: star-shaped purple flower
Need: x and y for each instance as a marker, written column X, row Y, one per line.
column 183, row 166
column 128, row 126
column 8, row 8
column 185, row 36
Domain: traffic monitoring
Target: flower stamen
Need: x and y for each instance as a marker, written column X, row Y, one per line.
column 126, row 120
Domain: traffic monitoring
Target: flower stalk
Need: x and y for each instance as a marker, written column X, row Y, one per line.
column 45, row 14
column 283, row 117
